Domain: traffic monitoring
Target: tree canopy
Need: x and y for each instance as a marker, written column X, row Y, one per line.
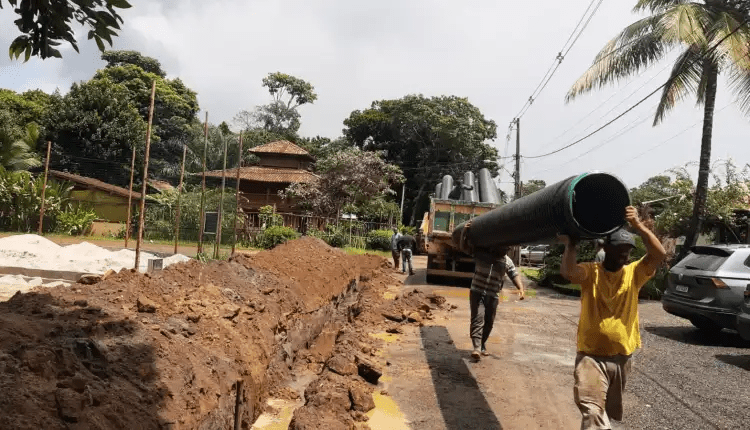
column 44, row 25
column 427, row 138
column 94, row 128
column 531, row 186
column 124, row 58
column 280, row 116
column 351, row 177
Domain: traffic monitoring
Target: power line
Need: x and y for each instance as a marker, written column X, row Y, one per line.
column 575, row 35
column 633, row 124
column 662, row 143
column 739, row 26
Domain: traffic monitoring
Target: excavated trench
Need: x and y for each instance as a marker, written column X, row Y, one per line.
column 172, row 350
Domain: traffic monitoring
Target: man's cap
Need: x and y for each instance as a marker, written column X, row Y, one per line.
column 621, row 237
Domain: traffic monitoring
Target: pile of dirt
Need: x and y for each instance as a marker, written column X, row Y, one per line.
column 348, row 374
column 169, row 350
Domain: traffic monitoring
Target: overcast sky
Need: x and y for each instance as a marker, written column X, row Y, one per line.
column 354, row 52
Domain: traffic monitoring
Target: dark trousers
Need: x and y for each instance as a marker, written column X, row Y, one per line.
column 483, row 309
column 396, row 256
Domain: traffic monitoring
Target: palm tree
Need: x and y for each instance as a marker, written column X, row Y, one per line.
column 18, row 154
column 715, row 36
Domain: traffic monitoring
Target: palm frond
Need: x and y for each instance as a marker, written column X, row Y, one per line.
column 739, row 80
column 656, row 6
column 734, row 35
column 685, row 78
column 635, row 48
column 686, row 24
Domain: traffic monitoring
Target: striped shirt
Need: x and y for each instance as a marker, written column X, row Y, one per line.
column 490, row 276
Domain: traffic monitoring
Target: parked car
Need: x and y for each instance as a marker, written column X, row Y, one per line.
column 708, row 286
column 534, row 254
column 743, row 319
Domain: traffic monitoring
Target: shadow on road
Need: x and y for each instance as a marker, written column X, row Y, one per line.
column 461, row 401
column 693, row 336
column 741, row 361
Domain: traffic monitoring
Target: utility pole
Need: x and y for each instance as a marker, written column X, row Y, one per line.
column 203, row 189
column 403, row 193
column 237, row 196
column 217, row 243
column 44, row 188
column 516, row 250
column 130, row 199
column 145, row 179
column 517, row 173
column 179, row 198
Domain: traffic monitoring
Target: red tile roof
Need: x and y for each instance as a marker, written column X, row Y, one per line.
column 279, row 147
column 267, row 174
column 93, row 183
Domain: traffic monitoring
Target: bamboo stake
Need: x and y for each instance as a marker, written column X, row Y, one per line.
column 145, row 178
column 130, row 198
column 44, row 188
column 179, row 199
column 217, row 242
column 237, row 203
column 203, row 190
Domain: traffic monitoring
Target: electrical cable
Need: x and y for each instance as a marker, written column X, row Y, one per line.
column 560, row 57
column 639, row 102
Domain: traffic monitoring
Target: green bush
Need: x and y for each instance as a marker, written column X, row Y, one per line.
column 275, row 235
column 379, row 239
column 269, row 218
column 406, row 229
column 75, row 222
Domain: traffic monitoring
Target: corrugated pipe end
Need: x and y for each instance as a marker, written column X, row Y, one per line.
column 597, row 203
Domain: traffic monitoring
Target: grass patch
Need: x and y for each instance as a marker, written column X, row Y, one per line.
column 361, row 251
column 530, row 273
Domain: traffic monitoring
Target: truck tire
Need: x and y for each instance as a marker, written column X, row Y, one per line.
column 431, row 279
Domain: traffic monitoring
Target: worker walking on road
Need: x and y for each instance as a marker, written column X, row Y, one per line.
column 406, row 244
column 491, row 266
column 608, row 330
column 394, row 247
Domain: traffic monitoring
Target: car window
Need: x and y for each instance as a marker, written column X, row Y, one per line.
column 708, row 262
column 747, row 262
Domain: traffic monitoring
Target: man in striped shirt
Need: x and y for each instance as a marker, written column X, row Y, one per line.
column 491, row 266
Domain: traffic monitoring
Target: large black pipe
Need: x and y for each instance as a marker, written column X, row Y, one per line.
column 445, row 191
column 487, row 188
column 587, row 206
column 469, row 193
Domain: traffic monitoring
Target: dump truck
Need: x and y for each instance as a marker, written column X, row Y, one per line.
column 451, row 205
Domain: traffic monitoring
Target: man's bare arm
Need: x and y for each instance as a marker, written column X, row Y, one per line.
column 569, row 268
column 655, row 253
column 519, row 284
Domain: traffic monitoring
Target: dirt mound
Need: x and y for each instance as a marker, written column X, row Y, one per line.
column 168, row 350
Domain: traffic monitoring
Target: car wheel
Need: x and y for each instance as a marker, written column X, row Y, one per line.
column 524, row 261
column 706, row 325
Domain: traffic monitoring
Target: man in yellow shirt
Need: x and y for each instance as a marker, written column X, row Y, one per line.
column 608, row 330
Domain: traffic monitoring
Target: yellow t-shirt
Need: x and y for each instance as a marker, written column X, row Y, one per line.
column 609, row 309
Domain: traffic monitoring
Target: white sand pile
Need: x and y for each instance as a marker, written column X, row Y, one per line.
column 36, row 252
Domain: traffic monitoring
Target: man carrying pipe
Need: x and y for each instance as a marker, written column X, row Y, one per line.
column 608, row 330
column 491, row 266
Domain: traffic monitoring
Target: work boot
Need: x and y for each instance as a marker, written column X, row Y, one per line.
column 475, row 355
column 484, row 351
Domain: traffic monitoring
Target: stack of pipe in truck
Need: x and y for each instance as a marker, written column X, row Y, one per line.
column 454, row 203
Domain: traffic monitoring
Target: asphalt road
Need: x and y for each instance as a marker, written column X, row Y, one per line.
column 682, row 379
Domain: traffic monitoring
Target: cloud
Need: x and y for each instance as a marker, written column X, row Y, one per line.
column 495, row 53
